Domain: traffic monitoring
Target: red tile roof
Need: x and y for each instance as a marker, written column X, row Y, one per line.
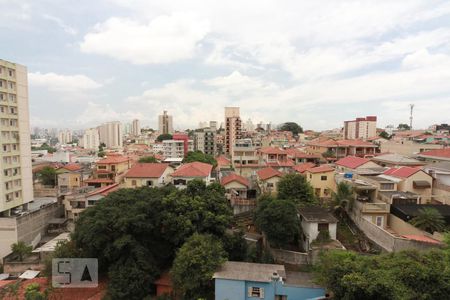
column 235, row 177
column 104, row 191
column 271, row 150
column 146, row 170
column 352, row 162
column 288, row 163
column 267, row 173
column 113, row 159
column 303, row 167
column 72, row 167
column 222, row 161
column 193, row 169
column 444, row 153
column 402, row 172
column 321, row 169
column 421, row 238
column 342, row 143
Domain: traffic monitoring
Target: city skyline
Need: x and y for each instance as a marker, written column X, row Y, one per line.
column 359, row 58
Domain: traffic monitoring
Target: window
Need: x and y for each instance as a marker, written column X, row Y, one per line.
column 386, row 186
column 133, row 182
column 149, row 183
column 256, row 292
column 270, row 184
column 379, row 221
column 323, row 178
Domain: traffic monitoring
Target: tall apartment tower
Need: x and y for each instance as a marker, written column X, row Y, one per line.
column 232, row 128
column 205, row 141
column 65, row 136
column 136, row 127
column 360, row 128
column 165, row 124
column 111, row 134
column 16, row 186
column 91, row 139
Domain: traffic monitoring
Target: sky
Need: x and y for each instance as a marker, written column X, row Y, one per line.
column 316, row 63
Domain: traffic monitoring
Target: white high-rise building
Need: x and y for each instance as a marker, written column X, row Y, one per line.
column 16, row 186
column 232, row 128
column 65, row 136
column 165, row 123
column 175, row 148
column 111, row 134
column 361, row 128
column 136, row 127
column 91, row 139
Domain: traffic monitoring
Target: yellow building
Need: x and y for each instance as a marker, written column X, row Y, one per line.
column 109, row 170
column 322, row 180
column 16, row 186
column 148, row 174
column 268, row 179
column 413, row 180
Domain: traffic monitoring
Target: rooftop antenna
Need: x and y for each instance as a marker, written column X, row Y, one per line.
column 411, row 106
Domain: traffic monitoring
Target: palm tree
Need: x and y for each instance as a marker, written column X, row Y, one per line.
column 429, row 219
column 343, row 198
column 21, row 249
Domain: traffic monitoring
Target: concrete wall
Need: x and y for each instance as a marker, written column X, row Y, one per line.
column 290, row 257
column 8, row 235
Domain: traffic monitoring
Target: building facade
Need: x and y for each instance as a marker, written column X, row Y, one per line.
column 165, row 123
column 16, row 186
column 136, row 127
column 233, row 128
column 176, row 148
column 360, row 128
column 91, row 139
column 205, row 141
column 111, row 134
column 65, row 136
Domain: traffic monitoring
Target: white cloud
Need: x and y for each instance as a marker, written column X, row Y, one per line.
column 95, row 114
column 164, row 39
column 62, row 83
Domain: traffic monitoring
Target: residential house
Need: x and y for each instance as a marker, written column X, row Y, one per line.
column 268, row 179
column 223, row 163
column 109, row 170
column 248, row 281
column 235, row 185
column 191, row 171
column 413, row 180
column 69, row 177
column 244, row 157
column 440, row 171
column 352, row 163
column 148, row 174
column 341, row 148
column 436, row 155
column 275, row 158
column 322, row 180
column 314, row 221
column 299, row 157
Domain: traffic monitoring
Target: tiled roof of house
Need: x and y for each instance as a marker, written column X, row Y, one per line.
column 422, row 238
column 321, row 169
column 235, row 177
column 402, row 172
column 267, row 173
column 72, row 167
column 193, row 169
column 223, row 161
column 271, row 150
column 287, row 163
column 341, row 143
column 303, row 167
column 113, row 159
column 444, row 153
column 147, row 170
column 99, row 180
column 104, row 190
column 352, row 162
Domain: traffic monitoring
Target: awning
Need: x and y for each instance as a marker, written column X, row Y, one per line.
column 421, row 184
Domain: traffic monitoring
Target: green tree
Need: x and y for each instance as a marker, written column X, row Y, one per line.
column 403, row 126
column 294, row 187
column 32, row 292
column 385, row 135
column 343, row 198
column 235, row 245
column 429, row 219
column 401, row 275
column 196, row 187
column 163, row 137
column 21, row 250
column 195, row 264
column 329, row 153
column 47, row 176
column 278, row 220
column 292, row 127
column 201, row 157
column 45, row 146
column 148, row 159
